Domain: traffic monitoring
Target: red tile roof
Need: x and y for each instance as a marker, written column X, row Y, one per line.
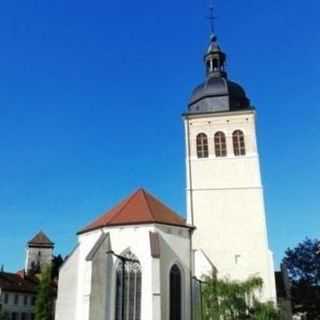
column 41, row 240
column 18, row 282
column 139, row 208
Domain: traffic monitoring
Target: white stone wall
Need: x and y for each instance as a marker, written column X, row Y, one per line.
column 175, row 247
column 75, row 276
column 34, row 255
column 67, row 288
column 23, row 304
column 225, row 200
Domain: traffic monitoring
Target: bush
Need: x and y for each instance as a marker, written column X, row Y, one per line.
column 235, row 300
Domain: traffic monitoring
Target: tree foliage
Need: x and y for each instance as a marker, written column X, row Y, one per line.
column 4, row 315
column 233, row 300
column 45, row 296
column 57, row 262
column 303, row 265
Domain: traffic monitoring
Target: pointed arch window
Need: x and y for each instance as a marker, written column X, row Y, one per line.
column 175, row 293
column 239, row 147
column 220, row 144
column 202, row 146
column 128, row 288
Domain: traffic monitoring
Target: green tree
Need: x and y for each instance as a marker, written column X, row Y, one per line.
column 57, row 262
column 303, row 264
column 4, row 315
column 235, row 300
column 44, row 299
column 264, row 311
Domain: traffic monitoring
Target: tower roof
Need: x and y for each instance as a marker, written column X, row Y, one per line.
column 217, row 93
column 139, row 208
column 41, row 240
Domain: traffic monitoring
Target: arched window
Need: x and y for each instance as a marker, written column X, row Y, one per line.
column 128, row 288
column 202, row 146
column 239, row 147
column 220, row 144
column 175, row 293
column 215, row 64
column 208, row 66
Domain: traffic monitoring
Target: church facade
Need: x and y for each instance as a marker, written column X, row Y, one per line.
column 139, row 261
column 125, row 264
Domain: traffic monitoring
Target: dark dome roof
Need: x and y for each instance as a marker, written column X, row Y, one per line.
column 218, row 94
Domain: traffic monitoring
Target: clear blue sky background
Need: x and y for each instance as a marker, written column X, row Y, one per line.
column 91, row 96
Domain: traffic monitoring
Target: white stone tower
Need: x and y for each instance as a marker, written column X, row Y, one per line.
column 224, row 190
column 39, row 252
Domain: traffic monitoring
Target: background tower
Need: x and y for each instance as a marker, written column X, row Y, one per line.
column 39, row 252
column 224, row 191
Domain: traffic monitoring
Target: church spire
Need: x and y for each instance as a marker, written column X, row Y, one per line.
column 215, row 58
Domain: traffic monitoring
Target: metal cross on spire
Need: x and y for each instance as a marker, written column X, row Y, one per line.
column 212, row 18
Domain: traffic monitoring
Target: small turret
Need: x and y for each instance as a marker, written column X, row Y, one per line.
column 39, row 252
column 215, row 60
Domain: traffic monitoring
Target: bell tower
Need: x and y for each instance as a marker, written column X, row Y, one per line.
column 224, row 191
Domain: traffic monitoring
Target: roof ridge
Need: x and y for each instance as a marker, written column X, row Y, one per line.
column 126, row 202
column 146, row 199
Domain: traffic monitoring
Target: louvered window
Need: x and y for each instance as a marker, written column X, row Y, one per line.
column 202, row 146
column 239, row 147
column 220, row 144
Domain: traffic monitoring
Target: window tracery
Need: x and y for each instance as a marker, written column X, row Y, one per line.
column 128, row 288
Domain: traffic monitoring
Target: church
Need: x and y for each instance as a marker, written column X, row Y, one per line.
column 140, row 260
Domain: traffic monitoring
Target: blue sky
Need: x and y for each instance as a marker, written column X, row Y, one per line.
column 91, row 96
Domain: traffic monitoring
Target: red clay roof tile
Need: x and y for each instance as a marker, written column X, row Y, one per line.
column 18, row 282
column 41, row 240
column 139, row 208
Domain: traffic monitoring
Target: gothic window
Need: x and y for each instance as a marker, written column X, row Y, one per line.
column 220, row 144
column 175, row 293
column 239, row 147
column 202, row 146
column 128, row 289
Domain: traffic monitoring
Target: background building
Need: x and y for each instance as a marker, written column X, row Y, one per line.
column 18, row 290
column 17, row 295
column 39, row 253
